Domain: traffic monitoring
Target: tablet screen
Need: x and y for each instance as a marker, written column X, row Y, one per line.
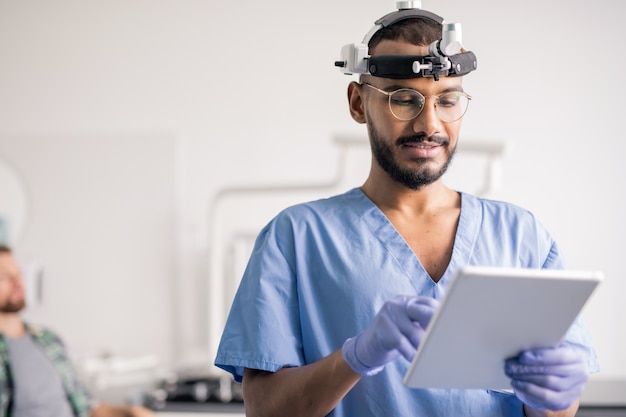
column 490, row 314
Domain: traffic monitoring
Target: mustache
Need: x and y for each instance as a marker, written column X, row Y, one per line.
column 438, row 139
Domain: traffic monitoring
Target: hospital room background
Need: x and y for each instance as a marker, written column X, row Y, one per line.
column 144, row 143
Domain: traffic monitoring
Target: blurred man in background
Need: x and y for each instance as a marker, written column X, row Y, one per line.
column 37, row 378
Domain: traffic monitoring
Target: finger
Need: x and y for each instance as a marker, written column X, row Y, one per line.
column 399, row 323
column 402, row 336
column 548, row 356
column 412, row 332
column 555, row 383
column 389, row 335
column 406, row 327
column 542, row 398
column 422, row 301
column 422, row 309
column 429, row 301
column 407, row 349
column 515, row 369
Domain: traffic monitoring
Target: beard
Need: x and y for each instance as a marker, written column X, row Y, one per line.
column 13, row 306
column 413, row 178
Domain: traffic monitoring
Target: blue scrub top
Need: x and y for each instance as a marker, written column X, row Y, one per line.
column 320, row 271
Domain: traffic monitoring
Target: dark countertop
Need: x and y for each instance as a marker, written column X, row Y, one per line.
column 602, row 398
column 237, row 408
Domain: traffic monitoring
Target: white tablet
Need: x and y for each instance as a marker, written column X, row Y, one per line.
column 489, row 314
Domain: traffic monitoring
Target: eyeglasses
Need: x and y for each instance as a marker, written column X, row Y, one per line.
column 406, row 103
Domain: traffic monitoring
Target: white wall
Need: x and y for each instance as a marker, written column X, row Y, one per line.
column 249, row 96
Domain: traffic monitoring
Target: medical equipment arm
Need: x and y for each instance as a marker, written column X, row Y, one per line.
column 549, row 379
column 396, row 330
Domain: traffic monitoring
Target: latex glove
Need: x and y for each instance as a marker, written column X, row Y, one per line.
column 397, row 329
column 548, row 378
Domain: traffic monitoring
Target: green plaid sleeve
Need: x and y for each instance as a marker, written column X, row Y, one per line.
column 5, row 378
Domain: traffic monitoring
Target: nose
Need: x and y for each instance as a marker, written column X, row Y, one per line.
column 428, row 121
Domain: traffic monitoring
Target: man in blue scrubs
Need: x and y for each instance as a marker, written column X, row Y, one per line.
column 338, row 292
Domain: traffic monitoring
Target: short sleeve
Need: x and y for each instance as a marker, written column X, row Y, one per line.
column 262, row 330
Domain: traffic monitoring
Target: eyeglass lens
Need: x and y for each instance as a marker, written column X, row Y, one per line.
column 406, row 104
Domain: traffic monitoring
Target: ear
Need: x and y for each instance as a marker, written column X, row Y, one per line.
column 355, row 101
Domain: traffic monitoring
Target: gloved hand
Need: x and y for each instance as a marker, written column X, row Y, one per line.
column 397, row 329
column 548, row 378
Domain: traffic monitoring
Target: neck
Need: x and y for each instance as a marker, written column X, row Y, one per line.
column 11, row 325
column 390, row 195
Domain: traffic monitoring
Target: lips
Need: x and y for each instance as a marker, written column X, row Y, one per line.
column 422, row 150
column 432, row 141
column 422, row 145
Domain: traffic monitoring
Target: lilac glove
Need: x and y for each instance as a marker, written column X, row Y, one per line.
column 548, row 378
column 397, row 329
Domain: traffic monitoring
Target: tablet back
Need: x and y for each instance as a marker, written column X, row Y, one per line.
column 490, row 314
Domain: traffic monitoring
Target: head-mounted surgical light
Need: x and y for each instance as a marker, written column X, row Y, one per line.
column 446, row 56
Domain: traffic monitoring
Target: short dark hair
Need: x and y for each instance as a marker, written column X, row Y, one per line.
column 5, row 249
column 419, row 31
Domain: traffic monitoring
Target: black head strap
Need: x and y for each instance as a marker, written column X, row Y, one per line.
column 414, row 66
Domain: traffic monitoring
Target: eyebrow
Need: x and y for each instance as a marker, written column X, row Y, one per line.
column 394, row 87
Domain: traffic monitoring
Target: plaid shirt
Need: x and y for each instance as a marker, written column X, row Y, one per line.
column 53, row 348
